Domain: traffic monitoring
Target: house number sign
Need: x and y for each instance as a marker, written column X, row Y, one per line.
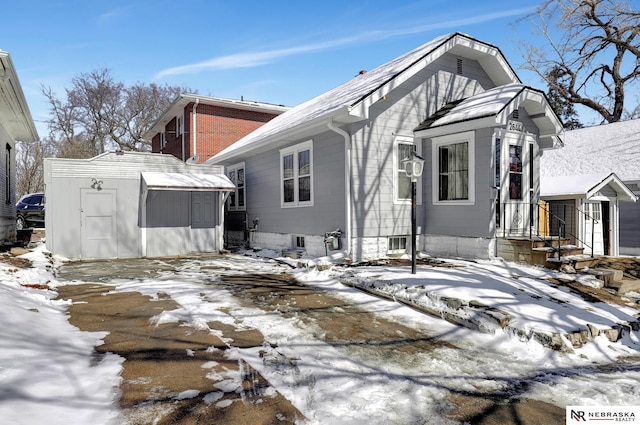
column 515, row 126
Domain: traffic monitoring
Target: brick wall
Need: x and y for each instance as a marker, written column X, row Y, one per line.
column 217, row 127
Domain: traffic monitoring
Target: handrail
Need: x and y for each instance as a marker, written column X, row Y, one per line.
column 536, row 211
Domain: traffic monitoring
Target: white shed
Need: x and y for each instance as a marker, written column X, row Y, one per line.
column 133, row 204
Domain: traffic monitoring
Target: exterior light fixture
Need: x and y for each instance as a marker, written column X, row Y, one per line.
column 413, row 167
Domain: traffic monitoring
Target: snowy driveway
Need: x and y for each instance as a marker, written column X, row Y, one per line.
column 341, row 356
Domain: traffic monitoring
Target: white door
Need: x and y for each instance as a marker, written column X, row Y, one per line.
column 98, row 223
column 203, row 222
column 593, row 228
column 516, row 195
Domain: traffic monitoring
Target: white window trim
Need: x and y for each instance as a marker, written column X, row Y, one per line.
column 406, row 249
column 179, row 125
column 405, row 140
column 236, row 167
column 450, row 139
column 308, row 145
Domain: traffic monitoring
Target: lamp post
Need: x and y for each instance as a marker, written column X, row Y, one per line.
column 413, row 166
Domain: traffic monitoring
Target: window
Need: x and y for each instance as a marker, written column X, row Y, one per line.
column 296, row 175
column 179, row 126
column 515, row 172
column 404, row 145
column 7, row 174
column 298, row 241
column 453, row 169
column 163, row 140
column 237, row 198
column 397, row 245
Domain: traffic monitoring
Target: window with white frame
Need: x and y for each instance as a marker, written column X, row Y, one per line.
column 179, row 126
column 237, row 198
column 397, row 245
column 296, row 175
column 163, row 139
column 453, row 168
column 404, row 145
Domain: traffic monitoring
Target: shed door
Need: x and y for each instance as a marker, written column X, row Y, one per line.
column 593, row 227
column 98, row 223
column 204, row 219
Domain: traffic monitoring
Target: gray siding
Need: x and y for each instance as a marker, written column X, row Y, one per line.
column 375, row 213
column 262, row 174
column 630, row 224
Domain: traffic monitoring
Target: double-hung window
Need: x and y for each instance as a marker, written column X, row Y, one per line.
column 453, row 169
column 238, row 197
column 404, row 146
column 296, row 175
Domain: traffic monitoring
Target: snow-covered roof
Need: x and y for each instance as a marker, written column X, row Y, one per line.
column 350, row 101
column 15, row 115
column 184, row 181
column 496, row 105
column 608, row 148
column 584, row 186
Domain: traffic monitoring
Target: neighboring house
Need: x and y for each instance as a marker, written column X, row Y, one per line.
column 334, row 162
column 600, row 151
column 133, row 204
column 199, row 127
column 16, row 124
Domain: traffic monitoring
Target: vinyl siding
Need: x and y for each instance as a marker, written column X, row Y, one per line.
column 262, row 174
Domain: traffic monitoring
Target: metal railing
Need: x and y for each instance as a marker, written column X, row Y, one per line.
column 536, row 220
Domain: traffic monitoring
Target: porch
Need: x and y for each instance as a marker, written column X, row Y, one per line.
column 534, row 234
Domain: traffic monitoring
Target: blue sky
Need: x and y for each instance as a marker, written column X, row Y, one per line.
column 282, row 52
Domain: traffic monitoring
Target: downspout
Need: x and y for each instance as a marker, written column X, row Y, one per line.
column 195, row 132
column 347, row 183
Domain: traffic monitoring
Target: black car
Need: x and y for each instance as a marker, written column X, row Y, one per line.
column 30, row 211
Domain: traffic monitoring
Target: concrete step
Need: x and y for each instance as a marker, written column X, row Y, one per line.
column 607, row 276
column 545, row 242
column 577, row 262
column 625, row 285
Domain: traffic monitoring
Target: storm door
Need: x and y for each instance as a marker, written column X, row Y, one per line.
column 514, row 181
column 99, row 236
column 593, row 228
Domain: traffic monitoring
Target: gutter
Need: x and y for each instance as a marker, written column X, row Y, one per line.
column 347, row 183
column 195, row 132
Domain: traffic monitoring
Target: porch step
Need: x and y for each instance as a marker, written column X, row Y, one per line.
column 578, row 262
column 548, row 241
column 607, row 276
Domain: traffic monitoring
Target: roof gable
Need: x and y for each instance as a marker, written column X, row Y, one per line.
column 350, row 101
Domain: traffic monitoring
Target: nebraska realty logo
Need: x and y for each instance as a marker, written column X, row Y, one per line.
column 582, row 414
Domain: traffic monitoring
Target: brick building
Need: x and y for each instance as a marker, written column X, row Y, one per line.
column 203, row 126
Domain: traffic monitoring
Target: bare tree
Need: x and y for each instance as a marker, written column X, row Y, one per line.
column 589, row 54
column 99, row 113
column 29, row 164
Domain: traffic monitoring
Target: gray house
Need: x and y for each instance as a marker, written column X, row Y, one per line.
column 16, row 124
column 600, row 151
column 133, row 204
column 335, row 161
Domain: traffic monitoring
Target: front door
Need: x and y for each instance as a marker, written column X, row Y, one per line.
column 98, row 223
column 515, row 183
column 204, row 215
column 593, row 227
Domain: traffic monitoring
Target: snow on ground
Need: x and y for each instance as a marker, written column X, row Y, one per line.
column 48, row 373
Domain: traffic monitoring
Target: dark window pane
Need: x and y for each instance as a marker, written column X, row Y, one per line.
column 287, row 166
column 288, row 190
column 304, row 163
column 304, row 189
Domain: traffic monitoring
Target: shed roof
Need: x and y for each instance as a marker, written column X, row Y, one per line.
column 350, row 101
column 584, row 186
column 607, row 148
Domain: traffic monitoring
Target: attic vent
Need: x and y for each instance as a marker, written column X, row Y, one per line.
column 516, row 114
column 459, row 67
